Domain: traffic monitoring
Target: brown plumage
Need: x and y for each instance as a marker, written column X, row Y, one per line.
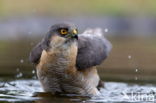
column 65, row 61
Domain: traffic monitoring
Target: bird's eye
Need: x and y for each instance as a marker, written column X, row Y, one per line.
column 63, row 31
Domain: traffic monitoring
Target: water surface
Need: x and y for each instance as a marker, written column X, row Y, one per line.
column 30, row 91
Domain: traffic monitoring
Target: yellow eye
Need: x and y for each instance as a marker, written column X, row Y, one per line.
column 63, row 31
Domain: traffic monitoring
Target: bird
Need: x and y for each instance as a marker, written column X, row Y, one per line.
column 66, row 61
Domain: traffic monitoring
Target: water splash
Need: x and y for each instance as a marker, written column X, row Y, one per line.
column 129, row 57
column 19, row 90
column 20, row 74
column 21, row 61
column 122, row 92
column 33, row 71
column 23, row 90
column 106, row 30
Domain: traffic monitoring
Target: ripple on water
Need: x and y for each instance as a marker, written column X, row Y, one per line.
column 23, row 90
column 19, row 90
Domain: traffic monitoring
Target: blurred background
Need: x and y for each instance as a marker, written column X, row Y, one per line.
column 130, row 25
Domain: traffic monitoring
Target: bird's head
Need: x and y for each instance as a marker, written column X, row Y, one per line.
column 60, row 34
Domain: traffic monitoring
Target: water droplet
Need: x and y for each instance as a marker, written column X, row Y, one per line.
column 129, row 57
column 22, row 61
column 106, row 30
column 34, row 77
column 19, row 75
column 33, row 72
column 136, row 70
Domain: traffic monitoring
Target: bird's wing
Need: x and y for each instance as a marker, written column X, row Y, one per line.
column 93, row 48
column 36, row 52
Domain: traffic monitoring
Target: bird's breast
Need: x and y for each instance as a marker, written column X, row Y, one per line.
column 58, row 60
column 57, row 73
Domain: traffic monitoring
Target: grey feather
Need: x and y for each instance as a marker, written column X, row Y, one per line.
column 44, row 44
column 93, row 49
column 36, row 52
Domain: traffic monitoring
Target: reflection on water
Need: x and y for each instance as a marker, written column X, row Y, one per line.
column 30, row 91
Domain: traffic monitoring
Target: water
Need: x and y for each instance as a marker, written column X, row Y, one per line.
column 28, row 91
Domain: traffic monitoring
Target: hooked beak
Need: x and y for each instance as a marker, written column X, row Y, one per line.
column 74, row 34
